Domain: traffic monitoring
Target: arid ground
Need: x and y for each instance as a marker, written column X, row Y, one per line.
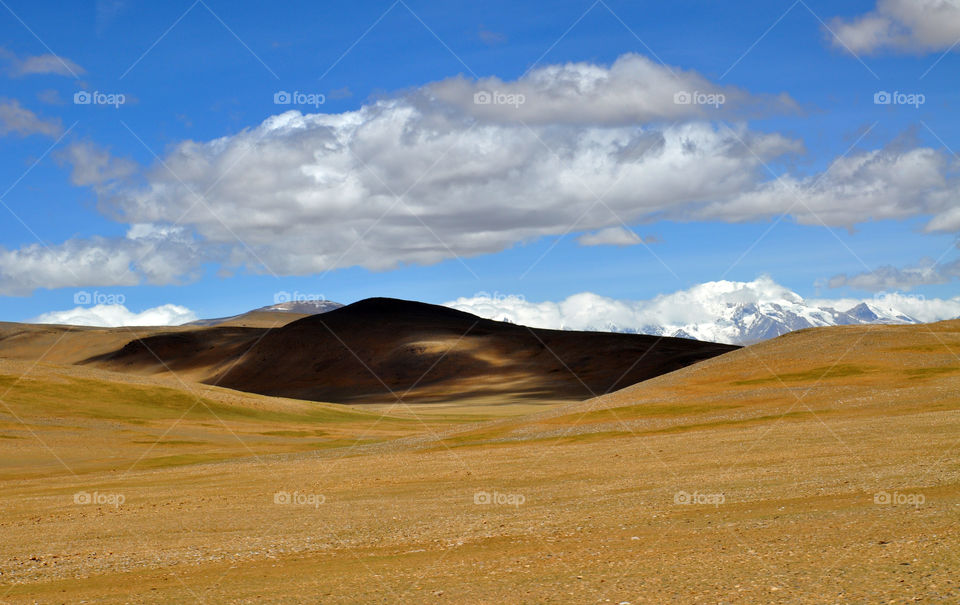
column 819, row 467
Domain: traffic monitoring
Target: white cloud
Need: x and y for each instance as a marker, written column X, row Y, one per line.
column 589, row 311
column 887, row 278
column 94, row 165
column 40, row 65
column 632, row 90
column 873, row 185
column 112, row 316
column 948, row 220
column 316, row 192
column 919, row 26
column 20, row 120
column 708, row 311
column 159, row 256
column 48, row 64
column 429, row 175
column 613, row 236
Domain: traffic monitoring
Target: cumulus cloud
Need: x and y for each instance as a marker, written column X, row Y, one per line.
column 429, row 174
column 15, row 118
column 613, row 236
column 919, row 26
column 113, row 316
column 158, row 255
column 886, row 278
column 889, row 183
column 308, row 193
column 717, row 311
column 632, row 90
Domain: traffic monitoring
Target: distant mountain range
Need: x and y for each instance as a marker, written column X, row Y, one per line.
column 745, row 323
column 722, row 320
column 720, row 311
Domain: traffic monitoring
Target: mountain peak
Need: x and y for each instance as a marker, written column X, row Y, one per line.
column 306, row 307
column 863, row 312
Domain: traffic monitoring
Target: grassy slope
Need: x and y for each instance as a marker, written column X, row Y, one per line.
column 64, row 420
column 798, row 435
column 847, row 372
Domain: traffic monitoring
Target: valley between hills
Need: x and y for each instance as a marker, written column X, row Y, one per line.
column 391, row 451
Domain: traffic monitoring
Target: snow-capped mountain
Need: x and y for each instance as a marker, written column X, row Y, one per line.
column 720, row 311
column 745, row 323
column 302, row 307
column 306, row 307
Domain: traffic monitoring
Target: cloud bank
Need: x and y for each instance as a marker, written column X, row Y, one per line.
column 925, row 273
column 437, row 173
column 707, row 311
column 155, row 254
column 113, row 316
column 916, row 26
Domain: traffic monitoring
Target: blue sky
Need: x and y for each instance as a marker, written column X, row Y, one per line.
column 805, row 71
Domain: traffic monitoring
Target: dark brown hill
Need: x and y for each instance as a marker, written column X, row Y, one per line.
column 378, row 349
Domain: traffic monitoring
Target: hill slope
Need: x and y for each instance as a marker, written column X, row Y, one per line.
column 818, row 467
column 272, row 316
column 841, row 371
column 377, row 349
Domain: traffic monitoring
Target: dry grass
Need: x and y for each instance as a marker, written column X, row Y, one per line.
column 801, row 453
